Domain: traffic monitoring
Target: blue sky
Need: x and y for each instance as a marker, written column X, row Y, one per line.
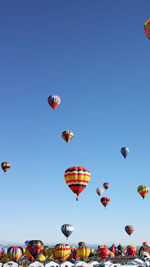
column 95, row 56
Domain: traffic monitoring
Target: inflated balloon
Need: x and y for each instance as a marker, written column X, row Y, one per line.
column 106, row 185
column 111, row 255
column 61, row 252
column 15, row 253
column 99, row 191
column 129, row 229
column 50, row 253
column 67, row 135
column 147, row 28
column 67, row 229
column 35, row 247
column 131, row 250
column 113, row 248
column 125, row 151
column 143, row 190
column 77, row 179
column 103, row 252
column 145, row 244
column 83, row 252
column 54, row 101
column 3, row 252
column 105, row 201
column 41, row 257
column 5, row 166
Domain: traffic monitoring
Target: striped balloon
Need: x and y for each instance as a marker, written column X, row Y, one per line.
column 15, row 253
column 106, row 185
column 67, row 135
column 129, row 229
column 105, row 201
column 77, row 179
column 61, row 252
column 143, row 190
column 67, row 229
column 5, row 166
column 147, row 28
column 54, row 101
column 83, row 252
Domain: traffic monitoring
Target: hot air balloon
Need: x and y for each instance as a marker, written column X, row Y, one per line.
column 111, row 255
column 5, row 166
column 131, row 250
column 105, row 201
column 61, row 252
column 83, row 252
column 125, row 151
column 26, row 242
column 82, row 244
column 143, row 190
column 54, row 101
column 129, row 229
column 103, row 252
column 99, row 191
column 35, row 247
column 77, row 179
column 67, row 229
column 50, row 253
column 147, row 28
column 145, row 244
column 67, row 135
column 28, row 255
column 15, row 253
column 106, row 185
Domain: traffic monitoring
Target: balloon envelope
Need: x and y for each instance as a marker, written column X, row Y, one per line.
column 67, row 229
column 54, row 101
column 67, row 135
column 147, row 28
column 99, row 191
column 125, row 151
column 77, row 179
column 143, row 190
column 5, row 166
column 105, row 201
column 129, row 229
column 15, row 253
column 106, row 185
column 35, row 247
column 61, row 252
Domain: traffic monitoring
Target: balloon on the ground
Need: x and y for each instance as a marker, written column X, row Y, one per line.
column 147, row 28
column 99, row 191
column 67, row 135
column 131, row 250
column 77, row 179
column 143, row 190
column 111, row 255
column 54, row 101
column 105, row 201
column 129, row 229
column 61, row 252
column 125, row 151
column 50, row 253
column 106, row 185
column 83, row 252
column 81, row 244
column 15, row 253
column 35, row 247
column 41, row 257
column 103, row 252
column 145, row 244
column 5, row 166
column 67, row 229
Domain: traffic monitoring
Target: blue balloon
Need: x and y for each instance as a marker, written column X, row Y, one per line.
column 125, row 151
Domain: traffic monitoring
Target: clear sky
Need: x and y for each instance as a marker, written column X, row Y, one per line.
column 94, row 54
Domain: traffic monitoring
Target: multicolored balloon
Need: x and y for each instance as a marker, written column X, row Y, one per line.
column 147, row 28
column 143, row 190
column 77, row 179
column 103, row 252
column 106, row 185
column 5, row 166
column 35, row 247
column 54, row 101
column 61, row 252
column 105, row 201
column 67, row 135
column 15, row 253
column 28, row 255
column 129, row 229
column 131, row 250
column 67, row 229
column 83, row 252
column 125, row 151
column 82, row 244
column 99, row 191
